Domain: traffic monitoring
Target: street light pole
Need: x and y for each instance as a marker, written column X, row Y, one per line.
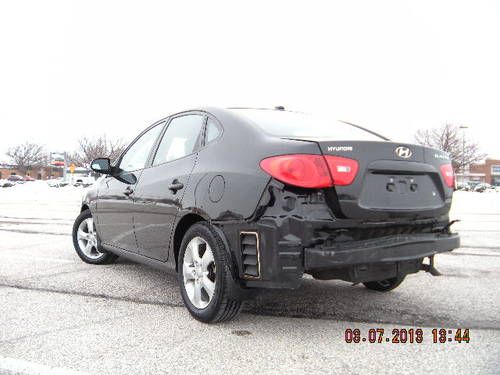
column 65, row 166
column 463, row 127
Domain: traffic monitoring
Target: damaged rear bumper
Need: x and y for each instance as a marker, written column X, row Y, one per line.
column 391, row 249
column 289, row 248
column 298, row 233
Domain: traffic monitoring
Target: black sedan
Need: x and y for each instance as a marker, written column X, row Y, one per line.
column 237, row 200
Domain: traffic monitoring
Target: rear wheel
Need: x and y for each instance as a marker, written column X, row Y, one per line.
column 85, row 241
column 384, row 285
column 204, row 276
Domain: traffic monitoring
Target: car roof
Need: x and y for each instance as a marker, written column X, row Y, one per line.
column 225, row 115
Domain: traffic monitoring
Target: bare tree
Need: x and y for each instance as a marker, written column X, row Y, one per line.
column 448, row 138
column 27, row 156
column 92, row 148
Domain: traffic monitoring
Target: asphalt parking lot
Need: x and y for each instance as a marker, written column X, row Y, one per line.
column 58, row 313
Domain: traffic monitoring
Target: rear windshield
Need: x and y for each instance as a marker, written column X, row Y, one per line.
column 295, row 124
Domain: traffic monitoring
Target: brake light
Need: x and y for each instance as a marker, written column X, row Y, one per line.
column 343, row 170
column 307, row 171
column 448, row 175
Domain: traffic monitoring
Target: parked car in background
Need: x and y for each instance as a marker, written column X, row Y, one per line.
column 6, row 183
column 237, row 200
column 57, row 182
column 472, row 184
column 484, row 187
column 73, row 180
column 16, row 178
column 81, row 177
column 463, row 186
column 28, row 178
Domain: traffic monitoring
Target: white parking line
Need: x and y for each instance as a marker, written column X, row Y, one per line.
column 34, row 258
column 11, row 366
column 29, row 231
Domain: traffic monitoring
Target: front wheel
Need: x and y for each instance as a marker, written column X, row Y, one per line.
column 384, row 285
column 205, row 277
column 85, row 241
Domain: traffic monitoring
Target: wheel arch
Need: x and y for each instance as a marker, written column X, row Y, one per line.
column 180, row 230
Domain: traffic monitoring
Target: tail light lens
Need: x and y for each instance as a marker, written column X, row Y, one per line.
column 308, row 171
column 311, row 171
column 448, row 175
column 343, row 170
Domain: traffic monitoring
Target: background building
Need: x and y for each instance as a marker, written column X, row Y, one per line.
column 42, row 173
column 489, row 172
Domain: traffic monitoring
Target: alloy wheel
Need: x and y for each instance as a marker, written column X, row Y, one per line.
column 198, row 271
column 87, row 239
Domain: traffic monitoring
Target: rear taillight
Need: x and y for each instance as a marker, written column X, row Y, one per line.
column 311, row 171
column 448, row 175
column 343, row 170
column 307, row 171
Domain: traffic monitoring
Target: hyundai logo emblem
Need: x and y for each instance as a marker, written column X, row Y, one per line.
column 403, row 152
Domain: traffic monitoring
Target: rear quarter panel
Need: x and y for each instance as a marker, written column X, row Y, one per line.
column 227, row 181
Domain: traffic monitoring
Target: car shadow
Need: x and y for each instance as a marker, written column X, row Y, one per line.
column 420, row 301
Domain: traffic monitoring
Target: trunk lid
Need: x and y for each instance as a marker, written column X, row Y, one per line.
column 394, row 180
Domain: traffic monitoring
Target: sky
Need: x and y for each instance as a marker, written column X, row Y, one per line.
column 70, row 69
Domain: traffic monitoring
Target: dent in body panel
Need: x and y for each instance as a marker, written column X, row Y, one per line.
column 236, row 157
column 238, row 201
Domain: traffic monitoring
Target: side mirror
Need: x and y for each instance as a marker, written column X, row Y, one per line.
column 101, row 165
column 125, row 177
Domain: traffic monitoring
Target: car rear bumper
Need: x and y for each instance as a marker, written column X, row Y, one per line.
column 286, row 249
column 397, row 248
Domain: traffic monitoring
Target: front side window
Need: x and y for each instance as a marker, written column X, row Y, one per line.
column 137, row 155
column 180, row 138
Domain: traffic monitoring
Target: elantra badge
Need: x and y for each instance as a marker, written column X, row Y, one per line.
column 403, row 152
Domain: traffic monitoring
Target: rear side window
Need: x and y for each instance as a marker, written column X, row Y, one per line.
column 180, row 138
column 295, row 124
column 213, row 131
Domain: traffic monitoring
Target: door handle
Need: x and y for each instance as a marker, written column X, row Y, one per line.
column 128, row 191
column 176, row 185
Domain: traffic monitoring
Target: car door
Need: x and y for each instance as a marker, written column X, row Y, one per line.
column 159, row 192
column 114, row 219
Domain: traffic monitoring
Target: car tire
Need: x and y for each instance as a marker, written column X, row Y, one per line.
column 205, row 277
column 384, row 285
column 86, row 242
